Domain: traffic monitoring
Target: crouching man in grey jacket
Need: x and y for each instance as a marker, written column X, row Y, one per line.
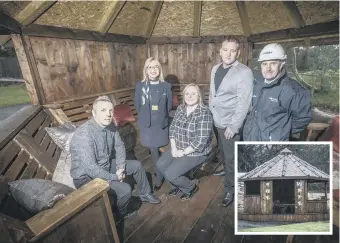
column 97, row 151
column 231, row 88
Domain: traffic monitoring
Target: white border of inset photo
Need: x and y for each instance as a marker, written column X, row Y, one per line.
column 285, row 233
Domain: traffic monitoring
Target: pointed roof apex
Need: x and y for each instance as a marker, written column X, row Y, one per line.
column 286, row 151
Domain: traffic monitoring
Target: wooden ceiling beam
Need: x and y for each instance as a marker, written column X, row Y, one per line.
column 294, row 14
column 153, row 18
column 9, row 24
column 190, row 39
column 329, row 28
column 197, row 18
column 76, row 34
column 33, row 11
column 110, row 15
column 243, row 13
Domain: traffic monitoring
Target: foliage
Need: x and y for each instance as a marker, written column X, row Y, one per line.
column 252, row 155
column 7, row 51
column 321, row 226
column 13, row 95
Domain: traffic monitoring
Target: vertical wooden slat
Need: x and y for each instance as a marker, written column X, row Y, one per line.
column 30, row 170
column 7, row 154
column 25, row 69
column 17, row 166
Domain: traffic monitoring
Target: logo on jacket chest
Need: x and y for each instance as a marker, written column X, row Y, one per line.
column 273, row 99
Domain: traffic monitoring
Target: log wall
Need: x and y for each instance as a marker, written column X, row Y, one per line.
column 59, row 69
column 252, row 204
column 285, row 217
column 192, row 62
column 75, row 68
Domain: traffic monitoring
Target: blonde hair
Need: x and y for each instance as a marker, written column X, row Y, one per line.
column 146, row 65
column 101, row 98
column 200, row 97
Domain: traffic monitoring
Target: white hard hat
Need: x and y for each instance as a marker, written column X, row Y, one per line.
column 272, row 51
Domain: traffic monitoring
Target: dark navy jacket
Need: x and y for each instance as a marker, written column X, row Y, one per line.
column 278, row 109
column 164, row 99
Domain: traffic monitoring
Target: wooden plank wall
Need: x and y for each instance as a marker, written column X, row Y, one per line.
column 192, row 62
column 252, row 204
column 316, row 207
column 285, row 217
column 76, row 68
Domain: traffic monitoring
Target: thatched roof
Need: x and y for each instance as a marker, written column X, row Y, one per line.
column 173, row 18
column 285, row 166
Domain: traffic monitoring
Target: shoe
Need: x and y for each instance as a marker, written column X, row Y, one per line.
column 188, row 196
column 173, row 192
column 228, row 199
column 149, row 198
column 219, row 173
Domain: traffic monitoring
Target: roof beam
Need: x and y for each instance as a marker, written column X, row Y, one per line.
column 30, row 14
column 153, row 18
column 329, row 28
column 190, row 39
column 76, row 34
column 197, row 17
column 9, row 24
column 33, row 11
column 294, row 14
column 242, row 11
column 110, row 16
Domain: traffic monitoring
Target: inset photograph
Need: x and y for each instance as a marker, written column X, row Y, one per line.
column 283, row 188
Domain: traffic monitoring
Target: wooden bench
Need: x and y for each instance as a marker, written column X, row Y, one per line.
column 27, row 151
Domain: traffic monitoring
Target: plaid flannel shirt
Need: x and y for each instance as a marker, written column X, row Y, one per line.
column 194, row 130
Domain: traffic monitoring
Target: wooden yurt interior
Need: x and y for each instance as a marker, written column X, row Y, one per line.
column 70, row 52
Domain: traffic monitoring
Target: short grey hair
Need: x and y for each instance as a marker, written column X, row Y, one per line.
column 101, row 98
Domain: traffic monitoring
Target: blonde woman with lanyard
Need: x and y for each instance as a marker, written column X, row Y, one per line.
column 153, row 102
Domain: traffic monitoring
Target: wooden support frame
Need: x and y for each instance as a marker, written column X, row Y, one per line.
column 153, row 18
column 197, row 18
column 294, row 14
column 46, row 221
column 190, row 39
column 76, row 34
column 29, row 14
column 110, row 15
column 10, row 24
column 322, row 29
column 33, row 11
column 242, row 11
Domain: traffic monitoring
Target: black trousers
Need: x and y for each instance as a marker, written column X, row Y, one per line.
column 227, row 147
column 120, row 192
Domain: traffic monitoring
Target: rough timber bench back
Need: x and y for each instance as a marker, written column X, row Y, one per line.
column 26, row 151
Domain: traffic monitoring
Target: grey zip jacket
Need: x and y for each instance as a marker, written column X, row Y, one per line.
column 230, row 104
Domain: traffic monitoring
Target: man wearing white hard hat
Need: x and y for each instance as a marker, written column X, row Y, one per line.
column 281, row 106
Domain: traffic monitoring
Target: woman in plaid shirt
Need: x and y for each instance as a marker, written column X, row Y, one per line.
column 191, row 141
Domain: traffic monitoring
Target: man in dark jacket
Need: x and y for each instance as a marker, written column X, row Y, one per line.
column 280, row 105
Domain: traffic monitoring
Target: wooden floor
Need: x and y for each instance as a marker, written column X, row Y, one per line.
column 200, row 220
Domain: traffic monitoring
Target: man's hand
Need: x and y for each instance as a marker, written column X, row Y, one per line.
column 228, row 133
column 121, row 174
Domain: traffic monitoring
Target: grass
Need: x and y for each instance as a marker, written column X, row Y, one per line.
column 13, row 95
column 320, row 226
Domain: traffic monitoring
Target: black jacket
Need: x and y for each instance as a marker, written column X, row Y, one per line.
column 278, row 109
column 164, row 100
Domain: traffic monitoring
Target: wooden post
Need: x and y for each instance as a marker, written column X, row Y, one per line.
column 300, row 196
column 26, row 70
column 266, row 197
